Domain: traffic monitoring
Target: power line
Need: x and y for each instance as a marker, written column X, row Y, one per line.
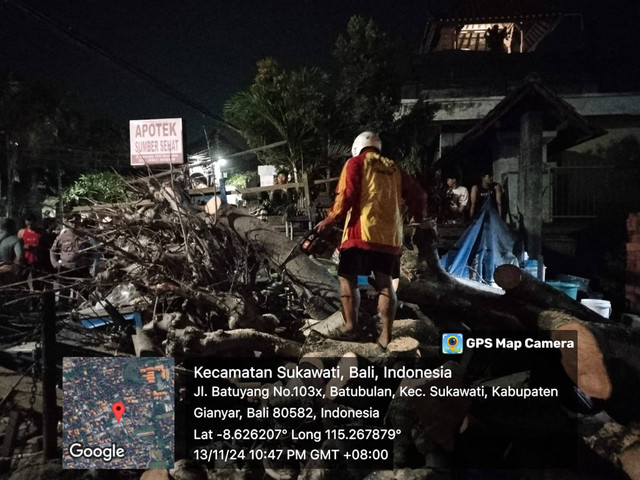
column 156, row 83
column 73, row 149
column 206, row 153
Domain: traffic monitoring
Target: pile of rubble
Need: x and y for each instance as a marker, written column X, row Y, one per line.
column 191, row 270
column 180, row 281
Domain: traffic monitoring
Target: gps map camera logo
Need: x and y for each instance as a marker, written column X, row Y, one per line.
column 452, row 343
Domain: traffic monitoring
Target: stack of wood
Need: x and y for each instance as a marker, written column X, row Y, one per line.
column 632, row 286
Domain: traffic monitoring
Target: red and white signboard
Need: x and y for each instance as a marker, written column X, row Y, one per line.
column 156, row 142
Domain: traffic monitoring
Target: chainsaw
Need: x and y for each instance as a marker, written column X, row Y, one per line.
column 321, row 245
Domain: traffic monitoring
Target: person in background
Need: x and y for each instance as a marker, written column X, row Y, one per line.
column 458, row 199
column 495, row 38
column 10, row 250
column 48, row 236
column 69, row 251
column 282, row 200
column 282, row 178
column 30, row 238
column 486, row 191
column 369, row 198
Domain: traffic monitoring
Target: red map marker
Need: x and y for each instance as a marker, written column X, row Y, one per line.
column 118, row 410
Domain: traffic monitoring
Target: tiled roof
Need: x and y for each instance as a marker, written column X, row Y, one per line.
column 485, row 11
column 533, row 95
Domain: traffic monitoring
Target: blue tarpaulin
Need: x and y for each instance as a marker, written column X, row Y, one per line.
column 485, row 245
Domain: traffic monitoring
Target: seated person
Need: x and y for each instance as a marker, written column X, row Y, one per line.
column 282, row 200
column 457, row 200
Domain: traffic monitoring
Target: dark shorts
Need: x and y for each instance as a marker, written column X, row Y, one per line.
column 356, row 261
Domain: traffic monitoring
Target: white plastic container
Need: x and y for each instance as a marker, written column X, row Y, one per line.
column 601, row 307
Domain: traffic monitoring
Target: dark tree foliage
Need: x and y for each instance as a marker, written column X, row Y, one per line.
column 44, row 141
column 368, row 84
column 409, row 138
column 283, row 105
column 319, row 114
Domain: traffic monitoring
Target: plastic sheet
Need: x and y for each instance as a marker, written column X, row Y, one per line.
column 485, row 245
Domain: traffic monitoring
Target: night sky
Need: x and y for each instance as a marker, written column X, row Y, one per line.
column 205, row 50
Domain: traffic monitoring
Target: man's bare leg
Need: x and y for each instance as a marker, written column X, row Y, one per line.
column 387, row 304
column 350, row 299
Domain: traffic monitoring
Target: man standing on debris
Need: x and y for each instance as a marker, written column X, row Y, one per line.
column 369, row 197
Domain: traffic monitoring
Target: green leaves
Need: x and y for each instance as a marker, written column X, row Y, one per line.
column 103, row 187
column 241, row 179
column 282, row 105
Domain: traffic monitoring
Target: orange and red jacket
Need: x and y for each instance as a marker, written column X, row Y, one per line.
column 370, row 194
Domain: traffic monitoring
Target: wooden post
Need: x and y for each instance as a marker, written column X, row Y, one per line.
column 530, row 182
column 307, row 198
column 49, row 407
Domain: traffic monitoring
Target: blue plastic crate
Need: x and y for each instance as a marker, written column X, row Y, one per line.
column 96, row 322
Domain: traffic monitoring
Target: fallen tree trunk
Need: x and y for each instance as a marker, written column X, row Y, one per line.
column 605, row 366
column 616, row 444
column 424, row 282
column 521, row 286
column 242, row 342
column 619, row 346
column 584, row 366
column 607, row 363
column 313, row 282
column 405, row 343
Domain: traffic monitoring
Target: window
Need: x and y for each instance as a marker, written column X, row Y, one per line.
column 473, row 37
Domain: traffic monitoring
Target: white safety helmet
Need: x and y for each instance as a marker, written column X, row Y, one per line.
column 365, row 139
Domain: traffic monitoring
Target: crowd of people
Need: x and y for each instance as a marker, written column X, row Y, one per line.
column 40, row 248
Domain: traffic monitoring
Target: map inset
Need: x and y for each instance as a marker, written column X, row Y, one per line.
column 137, row 390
